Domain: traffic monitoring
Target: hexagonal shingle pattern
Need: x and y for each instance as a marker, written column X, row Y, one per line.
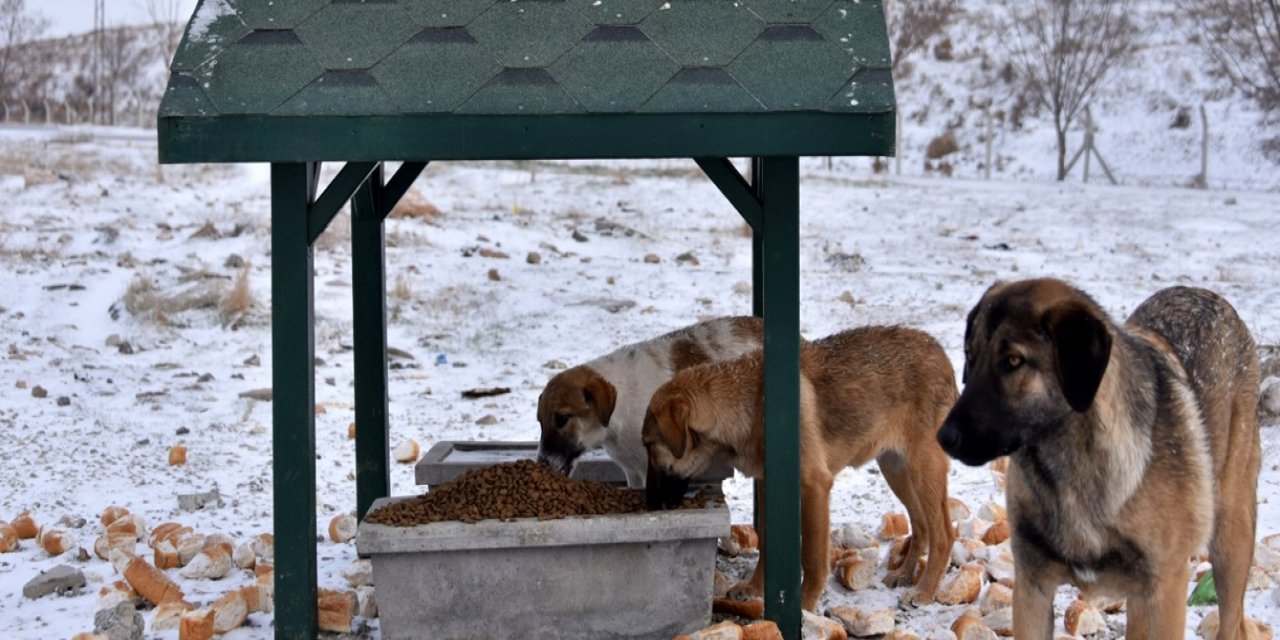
column 359, row 57
column 355, row 35
column 685, row 29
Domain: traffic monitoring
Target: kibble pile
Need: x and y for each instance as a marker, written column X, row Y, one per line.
column 522, row 489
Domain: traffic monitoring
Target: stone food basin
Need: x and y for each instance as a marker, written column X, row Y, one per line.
column 637, row 575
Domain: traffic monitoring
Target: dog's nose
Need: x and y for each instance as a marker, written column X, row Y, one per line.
column 949, row 437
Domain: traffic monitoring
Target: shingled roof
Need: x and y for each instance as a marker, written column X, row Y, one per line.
column 262, row 63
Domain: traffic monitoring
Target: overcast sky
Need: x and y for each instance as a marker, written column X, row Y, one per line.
column 76, row 16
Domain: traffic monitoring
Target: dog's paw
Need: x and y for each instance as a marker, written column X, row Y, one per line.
column 913, row 598
column 898, row 578
column 745, row 589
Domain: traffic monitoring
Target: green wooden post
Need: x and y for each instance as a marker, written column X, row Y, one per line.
column 369, row 302
column 757, row 310
column 293, row 408
column 779, row 181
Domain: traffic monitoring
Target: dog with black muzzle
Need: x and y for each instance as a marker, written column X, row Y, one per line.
column 602, row 403
column 874, row 393
column 1131, row 447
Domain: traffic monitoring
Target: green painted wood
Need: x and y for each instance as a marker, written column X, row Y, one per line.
column 350, row 177
column 780, row 183
column 398, row 185
column 369, row 305
column 393, row 138
column 293, row 407
column 450, row 61
column 731, row 183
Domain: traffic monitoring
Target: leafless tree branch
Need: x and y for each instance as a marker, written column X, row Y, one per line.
column 1065, row 49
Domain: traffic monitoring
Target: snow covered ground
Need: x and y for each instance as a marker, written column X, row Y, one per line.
column 87, row 214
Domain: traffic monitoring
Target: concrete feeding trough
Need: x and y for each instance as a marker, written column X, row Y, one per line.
column 448, row 459
column 639, row 575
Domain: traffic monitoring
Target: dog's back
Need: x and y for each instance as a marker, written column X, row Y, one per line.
column 1215, row 348
column 882, row 372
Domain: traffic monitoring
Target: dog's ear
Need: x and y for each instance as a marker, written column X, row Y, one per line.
column 673, row 426
column 600, row 396
column 1082, row 345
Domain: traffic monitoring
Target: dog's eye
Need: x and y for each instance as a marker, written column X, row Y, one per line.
column 562, row 419
column 1013, row 361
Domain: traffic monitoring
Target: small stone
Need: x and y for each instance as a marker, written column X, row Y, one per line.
column 652, row 258
column 197, row 501
column 847, row 298
column 63, row 401
column 252, row 361
column 487, row 420
column 494, row 276
column 71, row 522
column 533, row 258
column 39, row 392
column 554, row 364
column 113, row 340
column 121, row 622
column 577, row 235
column 21, row 384
column 125, row 349
column 208, row 377
column 486, row 252
column 182, row 431
column 742, row 287
column 687, row 258
column 62, row 579
column 234, row 261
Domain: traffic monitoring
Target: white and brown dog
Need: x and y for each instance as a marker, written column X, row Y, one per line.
column 602, row 403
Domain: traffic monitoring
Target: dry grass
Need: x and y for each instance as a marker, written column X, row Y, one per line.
column 238, row 301
column 415, row 206
column 401, row 290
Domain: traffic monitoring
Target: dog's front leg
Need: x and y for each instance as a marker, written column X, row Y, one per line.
column 1033, row 608
column 1167, row 602
column 754, row 586
column 815, row 538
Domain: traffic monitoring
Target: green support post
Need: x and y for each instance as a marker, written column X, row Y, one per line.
column 757, row 310
column 369, row 302
column 293, row 408
column 778, row 179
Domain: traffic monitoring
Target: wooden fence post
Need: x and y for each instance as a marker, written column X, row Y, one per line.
column 1203, row 179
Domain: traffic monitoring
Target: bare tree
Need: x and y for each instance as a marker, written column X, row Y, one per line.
column 913, row 22
column 1243, row 37
column 166, row 16
column 1064, row 50
column 18, row 26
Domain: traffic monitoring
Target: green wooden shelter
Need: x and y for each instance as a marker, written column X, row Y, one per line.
column 364, row 82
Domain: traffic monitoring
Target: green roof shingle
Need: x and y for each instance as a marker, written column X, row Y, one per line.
column 248, row 63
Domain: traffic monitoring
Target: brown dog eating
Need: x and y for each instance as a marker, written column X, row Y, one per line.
column 870, row 393
column 1131, row 447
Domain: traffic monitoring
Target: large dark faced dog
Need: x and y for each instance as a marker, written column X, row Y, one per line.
column 872, row 393
column 1131, row 447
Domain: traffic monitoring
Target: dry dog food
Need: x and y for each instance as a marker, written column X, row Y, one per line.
column 521, row 489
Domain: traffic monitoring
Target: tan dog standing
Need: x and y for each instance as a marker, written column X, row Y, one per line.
column 871, row 393
column 1131, row 447
column 602, row 403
